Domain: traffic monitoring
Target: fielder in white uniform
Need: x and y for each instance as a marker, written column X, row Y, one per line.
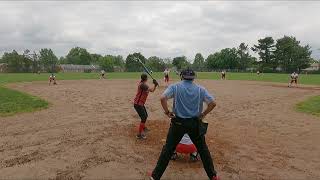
column 52, row 77
column 294, row 79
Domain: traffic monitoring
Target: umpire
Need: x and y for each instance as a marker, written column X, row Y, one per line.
column 187, row 118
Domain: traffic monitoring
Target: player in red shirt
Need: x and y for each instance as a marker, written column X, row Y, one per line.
column 139, row 101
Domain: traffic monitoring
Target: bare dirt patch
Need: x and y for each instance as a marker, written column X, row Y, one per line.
column 88, row 132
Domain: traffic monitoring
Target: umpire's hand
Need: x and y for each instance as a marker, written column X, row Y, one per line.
column 202, row 116
column 170, row 114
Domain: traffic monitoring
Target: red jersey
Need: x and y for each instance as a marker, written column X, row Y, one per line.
column 142, row 94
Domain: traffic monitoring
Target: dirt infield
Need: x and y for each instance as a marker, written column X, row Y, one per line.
column 88, row 133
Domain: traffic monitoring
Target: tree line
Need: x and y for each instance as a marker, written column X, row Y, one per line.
column 285, row 54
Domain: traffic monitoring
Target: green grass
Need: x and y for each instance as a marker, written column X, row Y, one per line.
column 269, row 77
column 12, row 102
column 311, row 106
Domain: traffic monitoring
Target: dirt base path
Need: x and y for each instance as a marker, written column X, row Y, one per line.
column 89, row 132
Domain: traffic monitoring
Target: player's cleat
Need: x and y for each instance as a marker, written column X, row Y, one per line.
column 194, row 157
column 174, row 156
column 149, row 174
column 141, row 136
column 215, row 178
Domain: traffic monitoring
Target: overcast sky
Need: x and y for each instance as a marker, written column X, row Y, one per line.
column 165, row 29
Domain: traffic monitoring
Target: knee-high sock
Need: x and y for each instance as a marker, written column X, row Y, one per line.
column 141, row 127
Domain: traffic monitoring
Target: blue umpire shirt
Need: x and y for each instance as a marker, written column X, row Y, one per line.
column 188, row 98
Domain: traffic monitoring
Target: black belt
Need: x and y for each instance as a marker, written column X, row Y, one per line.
column 185, row 119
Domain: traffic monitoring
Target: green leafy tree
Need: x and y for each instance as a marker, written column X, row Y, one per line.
column 131, row 63
column 314, row 60
column 12, row 60
column 211, row 61
column 265, row 49
column 118, row 61
column 110, row 63
column 302, row 57
column 62, row 60
column 245, row 59
column 30, row 62
column 198, row 63
column 48, row 60
column 230, row 58
column 107, row 63
column 225, row 59
column 291, row 55
column 168, row 62
column 155, row 64
column 95, row 58
column 35, row 62
column 27, row 63
column 180, row 62
column 15, row 61
column 79, row 55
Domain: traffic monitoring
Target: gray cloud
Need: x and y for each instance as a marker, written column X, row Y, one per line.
column 164, row 29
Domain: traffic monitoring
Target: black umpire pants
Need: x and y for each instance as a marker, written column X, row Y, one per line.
column 177, row 129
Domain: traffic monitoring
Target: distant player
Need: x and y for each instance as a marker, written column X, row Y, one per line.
column 140, row 100
column 166, row 76
column 52, row 78
column 223, row 75
column 102, row 73
column 258, row 73
column 294, row 79
column 186, row 146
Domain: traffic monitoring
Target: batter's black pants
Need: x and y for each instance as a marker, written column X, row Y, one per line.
column 142, row 112
column 176, row 131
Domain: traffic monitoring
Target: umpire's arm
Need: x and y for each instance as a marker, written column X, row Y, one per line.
column 168, row 94
column 211, row 104
column 209, row 108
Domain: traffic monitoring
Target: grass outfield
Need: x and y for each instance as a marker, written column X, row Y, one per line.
column 311, row 105
column 12, row 102
column 312, row 79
